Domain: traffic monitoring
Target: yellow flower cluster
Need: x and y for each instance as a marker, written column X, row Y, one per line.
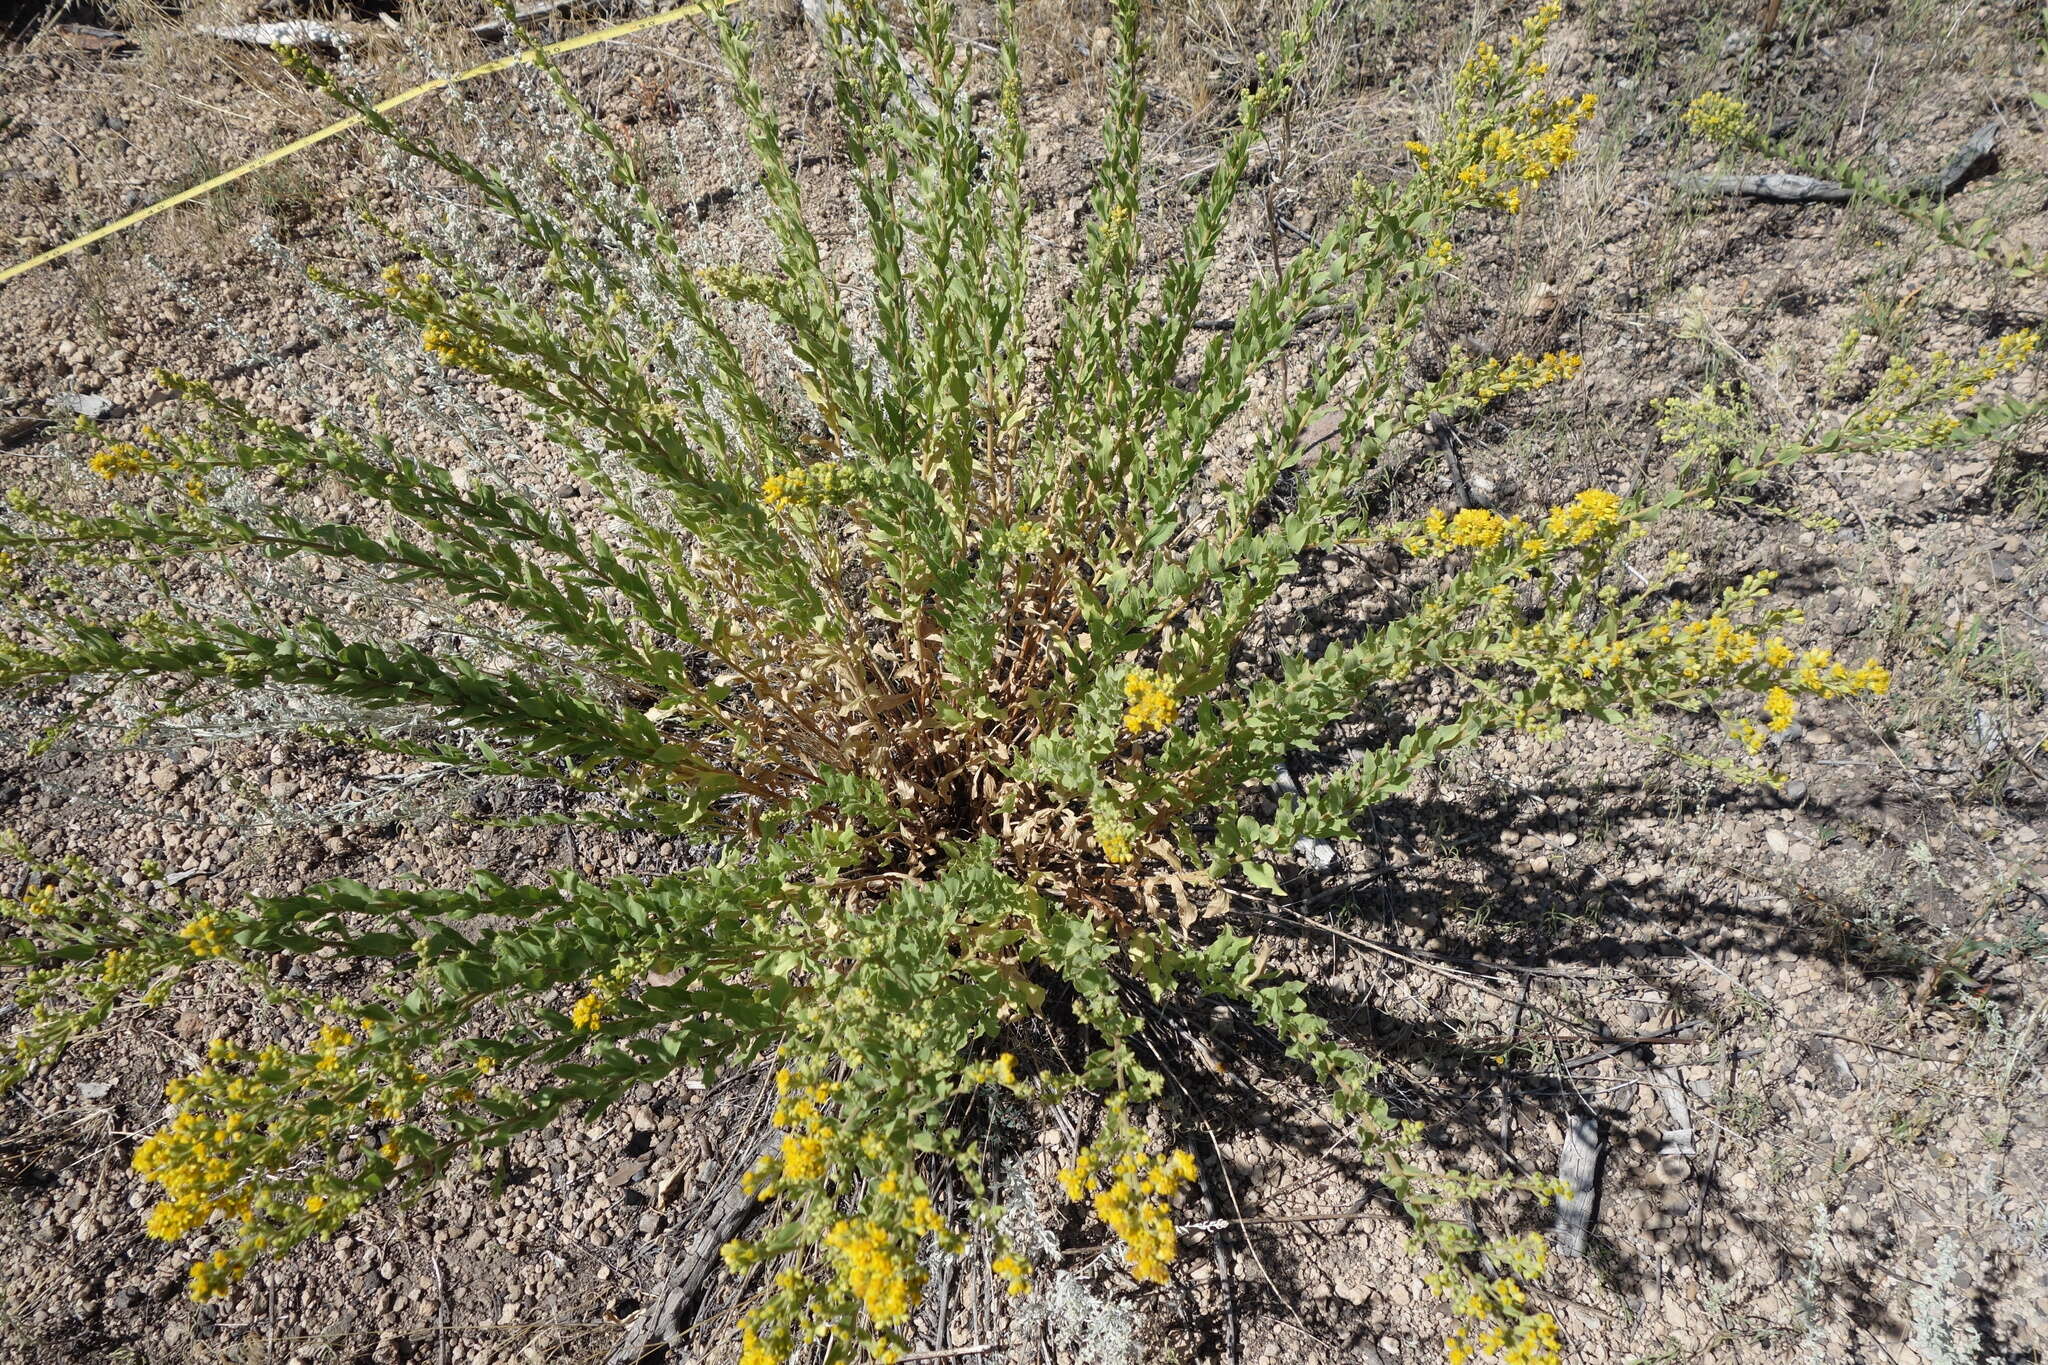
column 1916, row 406
column 1015, row 1273
column 328, row 1048
column 126, row 459
column 758, row 1350
column 1500, row 1306
column 1533, row 1340
column 1494, row 379
column 884, row 1276
column 38, row 902
column 823, row 483
column 587, row 1013
column 236, row 1145
column 803, row 1159
column 1711, row 651
column 197, row 1161
column 1716, row 117
column 214, row 1276
column 1149, row 703
column 1487, row 155
column 121, row 460
column 1780, row 707
column 874, row 1278
column 1588, row 517
column 1474, row 528
column 1131, row 1196
column 454, row 348
column 206, row 936
column 804, row 1156
column 1815, row 673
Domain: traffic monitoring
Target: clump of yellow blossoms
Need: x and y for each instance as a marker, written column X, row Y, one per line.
column 1493, row 379
column 1780, row 707
column 454, row 349
column 205, row 936
column 802, row 1158
column 1591, row 516
column 1716, row 117
column 883, row 1275
column 1150, row 704
column 1131, row 1196
column 123, row 459
column 1532, row 1341
column 587, row 1013
column 1016, row 1275
column 1115, row 835
column 1631, row 656
column 1816, row 673
column 1585, row 518
column 233, row 1153
column 1488, row 157
column 875, row 1277
column 194, row 1159
column 822, row 483
column 1504, row 1326
column 1898, row 408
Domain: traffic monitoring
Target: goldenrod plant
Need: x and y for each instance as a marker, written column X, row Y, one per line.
column 935, row 657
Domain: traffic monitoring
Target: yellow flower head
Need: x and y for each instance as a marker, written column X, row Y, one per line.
column 803, row 1159
column 1715, row 117
column 454, row 349
column 1780, row 707
column 1477, row 529
column 205, row 936
column 119, row 461
column 1014, row 1271
column 823, row 483
column 1151, row 702
column 1584, row 517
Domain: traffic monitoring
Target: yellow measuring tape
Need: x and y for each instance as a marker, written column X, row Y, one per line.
column 383, row 107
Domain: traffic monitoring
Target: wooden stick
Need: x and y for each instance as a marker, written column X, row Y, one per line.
column 1806, row 189
column 492, row 29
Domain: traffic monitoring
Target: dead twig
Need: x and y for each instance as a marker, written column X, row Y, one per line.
column 490, row 30
column 305, row 33
column 673, row 1306
column 1785, row 188
column 1776, row 188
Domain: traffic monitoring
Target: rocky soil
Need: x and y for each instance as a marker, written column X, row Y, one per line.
column 1807, row 1027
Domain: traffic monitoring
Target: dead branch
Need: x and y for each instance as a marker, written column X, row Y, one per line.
column 305, row 33
column 1806, row 189
column 1771, row 189
column 490, row 30
column 673, row 1306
